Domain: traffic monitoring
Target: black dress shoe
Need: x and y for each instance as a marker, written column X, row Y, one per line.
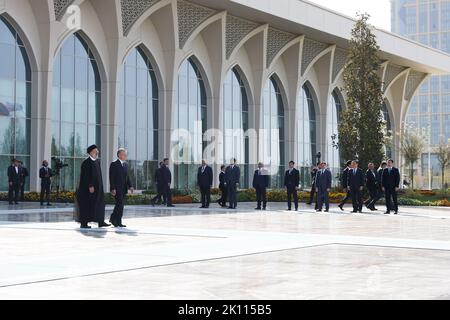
column 387, row 212
column 122, row 226
column 396, row 212
column 202, row 207
column 264, row 209
column 230, row 208
column 318, row 210
column 85, row 227
column 16, row 203
column 103, row 225
column 341, row 207
column 327, row 210
column 49, row 204
column 259, row 208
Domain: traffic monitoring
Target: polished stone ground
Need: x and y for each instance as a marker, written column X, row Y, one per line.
column 185, row 253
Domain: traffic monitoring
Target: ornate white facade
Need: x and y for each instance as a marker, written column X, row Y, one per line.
column 294, row 40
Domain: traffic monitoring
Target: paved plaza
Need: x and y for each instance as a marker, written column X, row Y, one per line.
column 185, row 253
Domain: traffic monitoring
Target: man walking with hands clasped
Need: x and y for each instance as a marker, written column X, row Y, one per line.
column 391, row 185
column 323, row 187
column 356, row 186
column 119, row 185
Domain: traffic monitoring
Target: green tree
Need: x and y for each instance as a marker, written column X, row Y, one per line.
column 412, row 146
column 443, row 159
column 361, row 129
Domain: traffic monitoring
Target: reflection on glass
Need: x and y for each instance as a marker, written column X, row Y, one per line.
column 75, row 104
column 138, row 117
column 306, row 134
column 333, row 115
column 190, row 114
column 272, row 147
column 15, row 100
column 235, row 106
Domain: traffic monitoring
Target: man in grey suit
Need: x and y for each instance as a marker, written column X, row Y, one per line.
column 323, row 187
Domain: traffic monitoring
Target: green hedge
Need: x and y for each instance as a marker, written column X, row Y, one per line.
column 406, row 198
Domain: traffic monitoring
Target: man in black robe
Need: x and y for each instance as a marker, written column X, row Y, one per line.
column 90, row 194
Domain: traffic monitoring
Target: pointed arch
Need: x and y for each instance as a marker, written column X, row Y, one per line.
column 190, row 116
column 307, row 128
column 15, row 99
column 138, row 116
column 76, row 105
column 273, row 125
column 236, row 120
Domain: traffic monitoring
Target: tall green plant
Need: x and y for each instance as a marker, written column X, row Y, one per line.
column 412, row 146
column 361, row 129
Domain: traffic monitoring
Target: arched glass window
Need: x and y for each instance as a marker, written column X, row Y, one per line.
column 273, row 141
column 190, row 116
column 387, row 119
column 75, row 107
column 15, row 100
column 235, row 102
column 306, row 134
column 138, row 118
column 333, row 117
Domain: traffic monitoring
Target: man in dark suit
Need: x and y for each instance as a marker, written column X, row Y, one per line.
column 344, row 182
column 205, row 182
column 314, row 170
column 23, row 180
column 323, row 187
column 45, row 174
column 391, row 185
column 120, row 183
column 372, row 186
column 379, row 191
column 261, row 183
column 159, row 189
column 356, row 185
column 232, row 181
column 165, row 180
column 291, row 183
column 222, row 186
column 14, row 177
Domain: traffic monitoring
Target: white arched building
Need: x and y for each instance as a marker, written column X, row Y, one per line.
column 129, row 72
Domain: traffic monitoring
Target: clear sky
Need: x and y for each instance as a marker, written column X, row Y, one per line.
column 380, row 10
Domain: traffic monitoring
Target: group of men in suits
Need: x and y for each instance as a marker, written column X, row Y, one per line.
column 229, row 180
column 321, row 184
column 163, row 181
column 385, row 181
column 17, row 175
